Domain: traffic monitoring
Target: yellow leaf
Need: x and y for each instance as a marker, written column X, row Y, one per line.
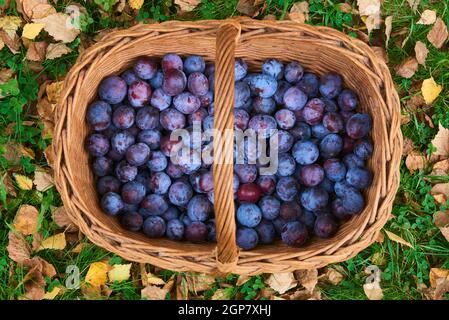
column 430, row 90
column 52, row 294
column 152, row 279
column 120, row 272
column 10, row 24
column 31, row 30
column 97, row 274
column 441, row 142
column 135, row 4
column 23, row 182
column 56, row 242
column 397, row 239
column 54, row 91
column 26, row 220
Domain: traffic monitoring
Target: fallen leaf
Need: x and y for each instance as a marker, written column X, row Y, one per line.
column 59, row 26
column 242, row 280
column 299, row 12
column 97, row 274
column 415, row 161
column 345, row 7
column 154, row 280
column 49, row 155
column 56, row 242
column 170, row 283
column 45, row 109
column 421, row 52
column 13, row 43
column 414, row 4
column 247, row 7
column 187, row 5
column 78, row 248
column 199, row 282
column 31, row 30
column 154, row 293
column 51, row 295
column 10, row 24
column 441, row 168
column 34, row 8
column 36, row 51
column 407, row 68
column 26, row 220
column 221, row 294
column 441, row 142
column 438, row 275
column 281, row 282
column 23, row 182
column 54, row 91
column 373, row 291
column 34, row 284
column 438, row 35
column 430, row 90
column 333, row 276
column 43, row 180
column 388, row 26
column 120, row 272
column 398, row 239
column 428, row 17
column 61, row 218
column 135, row 4
column 370, row 12
column 18, row 248
column 440, row 192
column 307, row 278
column 441, row 219
column 302, row 294
column 415, row 102
column 45, row 267
column 182, row 290
column 56, row 50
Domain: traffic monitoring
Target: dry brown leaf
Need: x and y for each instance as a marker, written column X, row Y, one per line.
column 398, row 239
column 281, row 282
column 154, row 280
column 333, row 276
column 438, row 35
column 26, row 220
column 303, row 294
column 370, row 12
column 61, row 218
column 242, row 280
column 440, row 192
column 437, row 275
column 54, row 91
column 441, row 168
column 415, row 161
column 42, row 11
column 407, row 68
column 170, row 283
column 182, row 291
column 18, row 248
column 56, row 50
column 78, row 248
column 388, row 27
column 9, row 185
column 414, row 4
column 34, row 284
column 43, row 180
column 299, row 12
column 154, row 293
column 13, row 43
column 441, row 142
column 428, row 17
column 36, row 51
column 415, row 102
column 421, row 52
column 49, row 155
column 199, row 282
column 187, row 5
column 59, row 26
column 248, row 7
column 307, row 278
column 442, row 222
column 28, row 5
column 56, row 242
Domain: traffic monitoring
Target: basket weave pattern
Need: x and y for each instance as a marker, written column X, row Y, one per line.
column 319, row 49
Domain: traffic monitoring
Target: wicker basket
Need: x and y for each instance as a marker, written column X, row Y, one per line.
column 319, row 49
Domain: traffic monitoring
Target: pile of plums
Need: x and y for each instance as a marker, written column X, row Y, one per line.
column 164, row 186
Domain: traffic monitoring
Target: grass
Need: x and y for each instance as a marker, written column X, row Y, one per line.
column 402, row 267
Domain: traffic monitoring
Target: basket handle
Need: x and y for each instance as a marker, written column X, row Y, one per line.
column 223, row 167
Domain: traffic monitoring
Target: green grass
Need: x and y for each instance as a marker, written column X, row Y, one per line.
column 402, row 267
